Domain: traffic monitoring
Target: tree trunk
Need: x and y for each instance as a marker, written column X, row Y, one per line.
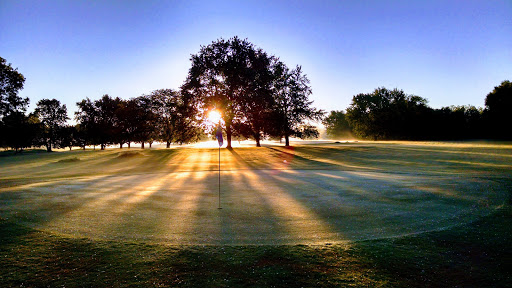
column 121, row 145
column 142, row 145
column 257, row 138
column 102, row 146
column 287, row 140
column 49, row 147
column 228, row 135
column 150, row 144
column 168, row 144
column 129, row 144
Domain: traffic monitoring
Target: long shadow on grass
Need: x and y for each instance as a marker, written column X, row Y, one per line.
column 474, row 255
column 375, row 204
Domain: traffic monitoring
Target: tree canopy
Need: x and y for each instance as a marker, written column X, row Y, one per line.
column 255, row 93
column 387, row 114
column 233, row 77
column 292, row 105
column 498, row 103
column 53, row 117
column 336, row 125
column 11, row 82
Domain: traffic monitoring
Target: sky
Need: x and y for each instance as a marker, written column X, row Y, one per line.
column 449, row 52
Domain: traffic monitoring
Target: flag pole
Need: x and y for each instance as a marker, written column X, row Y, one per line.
column 219, row 137
column 219, row 179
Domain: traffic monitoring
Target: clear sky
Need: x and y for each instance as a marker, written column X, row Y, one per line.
column 450, row 52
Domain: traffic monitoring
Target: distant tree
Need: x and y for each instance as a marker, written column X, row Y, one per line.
column 497, row 111
column 174, row 117
column 388, row 114
column 337, row 125
column 145, row 120
column 307, row 132
column 460, row 122
column 127, row 115
column 19, row 131
column 11, row 82
column 292, row 107
column 79, row 137
column 87, row 117
column 107, row 120
column 99, row 120
column 53, row 116
column 185, row 121
column 68, row 137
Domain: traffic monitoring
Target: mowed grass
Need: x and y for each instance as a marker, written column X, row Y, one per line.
column 474, row 254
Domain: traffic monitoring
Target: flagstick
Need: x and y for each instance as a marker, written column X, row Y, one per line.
column 219, row 175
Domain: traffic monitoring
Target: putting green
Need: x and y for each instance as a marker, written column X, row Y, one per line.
column 311, row 194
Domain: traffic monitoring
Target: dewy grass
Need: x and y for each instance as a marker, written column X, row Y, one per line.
column 107, row 220
column 475, row 255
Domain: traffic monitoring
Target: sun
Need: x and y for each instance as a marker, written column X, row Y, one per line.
column 214, row 116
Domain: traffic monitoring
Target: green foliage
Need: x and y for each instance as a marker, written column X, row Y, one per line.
column 257, row 95
column 53, row 117
column 19, row 131
column 292, row 107
column 99, row 120
column 457, row 122
column 498, row 103
column 232, row 76
column 16, row 129
column 387, row 114
column 11, row 82
column 175, row 121
column 337, row 125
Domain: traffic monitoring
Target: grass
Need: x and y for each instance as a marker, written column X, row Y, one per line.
column 80, row 187
column 472, row 255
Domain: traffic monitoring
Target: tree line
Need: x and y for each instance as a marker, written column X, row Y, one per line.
column 394, row 115
column 258, row 97
column 256, row 94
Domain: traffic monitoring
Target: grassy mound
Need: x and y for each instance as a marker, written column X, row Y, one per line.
column 69, row 160
column 129, row 154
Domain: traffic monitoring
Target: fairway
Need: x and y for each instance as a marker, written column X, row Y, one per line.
column 309, row 194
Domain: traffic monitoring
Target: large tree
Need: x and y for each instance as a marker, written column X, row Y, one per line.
column 233, row 77
column 11, row 82
column 53, row 116
column 497, row 111
column 13, row 120
column 292, row 107
column 256, row 102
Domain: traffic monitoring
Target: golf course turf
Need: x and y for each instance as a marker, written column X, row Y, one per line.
column 378, row 214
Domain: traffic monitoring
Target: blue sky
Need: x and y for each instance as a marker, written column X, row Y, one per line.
column 450, row 52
